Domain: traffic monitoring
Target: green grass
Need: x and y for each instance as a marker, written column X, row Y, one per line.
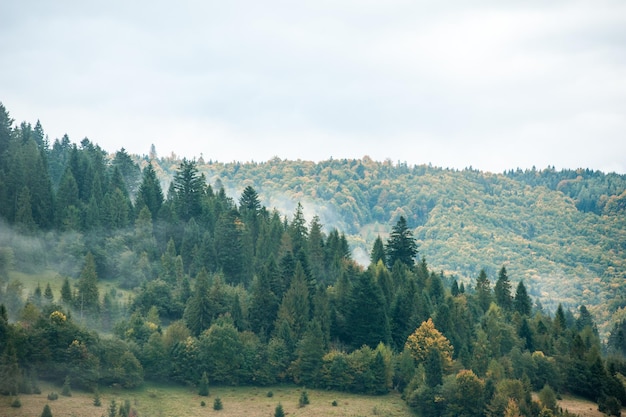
column 171, row 401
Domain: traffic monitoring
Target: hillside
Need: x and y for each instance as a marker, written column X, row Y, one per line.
column 563, row 233
column 351, row 276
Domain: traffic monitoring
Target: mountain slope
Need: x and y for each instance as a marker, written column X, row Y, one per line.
column 463, row 220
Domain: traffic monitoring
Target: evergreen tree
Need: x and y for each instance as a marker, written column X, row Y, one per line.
column 150, row 192
column 310, row 351
column 502, row 290
column 279, row 412
column 483, row 290
column 263, row 305
column 46, row 411
column 295, row 308
column 66, row 292
column 401, row 246
column 88, row 296
column 203, row 386
column 48, row 295
column 198, row 312
column 368, row 321
column 522, row 301
column 188, row 186
column 129, row 170
column 378, row 252
column 229, row 248
column 433, row 367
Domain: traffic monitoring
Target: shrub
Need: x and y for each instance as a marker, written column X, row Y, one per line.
column 202, row 404
column 270, row 394
column 53, row 396
column 304, row 399
column 217, row 404
column 16, row 403
column 203, row 387
column 46, row 411
column 96, row 399
column 279, row 412
column 610, row 406
column 334, row 403
column 67, row 389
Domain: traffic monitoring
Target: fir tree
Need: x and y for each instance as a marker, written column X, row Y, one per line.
column 522, row 301
column 46, row 411
column 198, row 312
column 88, row 296
column 203, row 387
column 401, row 246
column 502, row 290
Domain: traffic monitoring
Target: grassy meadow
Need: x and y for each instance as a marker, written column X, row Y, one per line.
column 171, row 401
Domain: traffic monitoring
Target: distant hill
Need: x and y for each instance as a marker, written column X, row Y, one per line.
column 562, row 232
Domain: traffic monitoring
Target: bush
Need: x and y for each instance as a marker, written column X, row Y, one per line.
column 202, row 404
column 66, row 390
column 203, row 387
column 53, row 396
column 279, row 412
column 217, row 404
column 334, row 403
column 16, row 403
column 304, row 399
column 270, row 394
column 96, row 399
column 610, row 406
column 46, row 411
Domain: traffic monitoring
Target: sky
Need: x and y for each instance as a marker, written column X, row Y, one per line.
column 494, row 85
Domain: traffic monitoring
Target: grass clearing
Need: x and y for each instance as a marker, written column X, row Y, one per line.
column 171, row 401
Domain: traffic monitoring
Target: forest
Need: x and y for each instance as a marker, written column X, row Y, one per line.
column 120, row 269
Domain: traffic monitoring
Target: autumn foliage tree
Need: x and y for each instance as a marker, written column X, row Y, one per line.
column 426, row 338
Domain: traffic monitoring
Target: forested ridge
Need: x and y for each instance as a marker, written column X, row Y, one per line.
column 183, row 271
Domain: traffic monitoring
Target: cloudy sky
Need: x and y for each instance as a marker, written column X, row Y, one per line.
column 494, row 85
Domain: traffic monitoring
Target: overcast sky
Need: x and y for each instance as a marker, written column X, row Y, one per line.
column 495, row 85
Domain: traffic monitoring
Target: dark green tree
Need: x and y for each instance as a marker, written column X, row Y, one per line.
column 47, row 294
column 188, row 186
column 46, row 411
column 502, row 290
column 150, row 192
column 401, row 246
column 368, row 321
column 522, row 302
column 88, row 295
column 279, row 412
column 130, row 171
column 198, row 312
column 66, row 292
column 309, row 353
column 483, row 290
column 203, row 386
column 378, row 252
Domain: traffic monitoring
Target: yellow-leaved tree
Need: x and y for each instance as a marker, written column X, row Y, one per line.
column 424, row 339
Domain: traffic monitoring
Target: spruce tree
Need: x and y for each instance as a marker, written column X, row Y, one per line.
column 401, row 246
column 46, row 411
column 48, row 295
column 502, row 290
column 88, row 295
column 522, row 301
column 203, row 386
column 279, row 412
column 483, row 290
column 198, row 312
column 378, row 252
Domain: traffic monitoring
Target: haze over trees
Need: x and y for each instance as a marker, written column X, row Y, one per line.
column 199, row 287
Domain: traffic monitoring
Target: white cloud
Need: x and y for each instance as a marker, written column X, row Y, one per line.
column 493, row 86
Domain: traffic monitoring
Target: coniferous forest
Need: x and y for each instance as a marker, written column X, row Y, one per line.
column 120, row 269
